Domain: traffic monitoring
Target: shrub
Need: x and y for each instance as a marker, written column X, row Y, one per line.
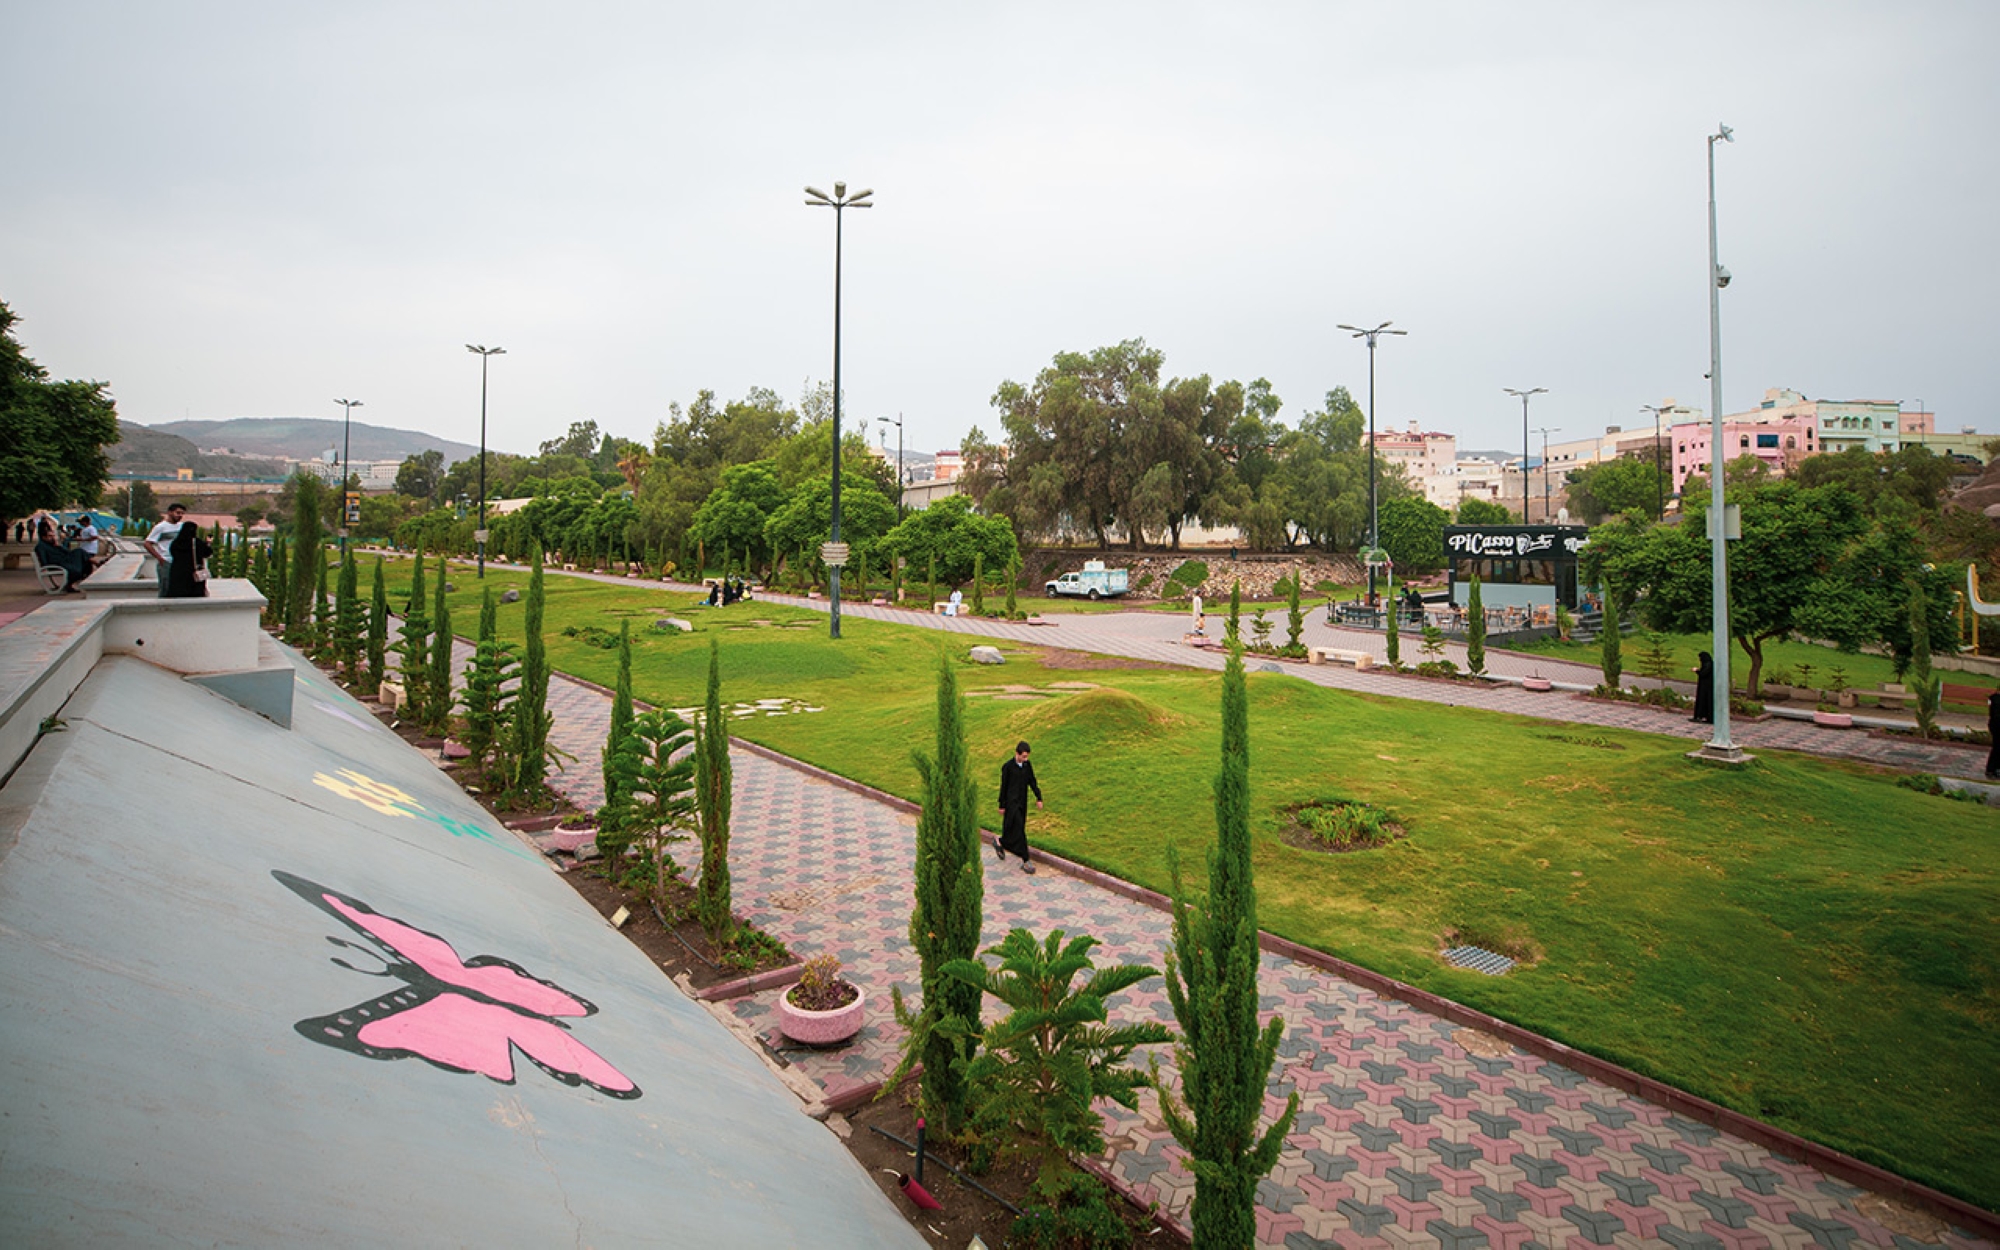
column 1185, row 580
column 1437, row 668
column 820, row 987
column 1343, row 826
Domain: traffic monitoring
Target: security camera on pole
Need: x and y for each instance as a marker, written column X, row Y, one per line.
column 835, row 552
column 1718, row 749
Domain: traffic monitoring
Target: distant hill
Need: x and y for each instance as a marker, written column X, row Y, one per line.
column 144, row 450
column 303, row 438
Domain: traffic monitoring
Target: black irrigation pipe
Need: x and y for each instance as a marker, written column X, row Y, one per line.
column 683, row 941
column 931, row 1158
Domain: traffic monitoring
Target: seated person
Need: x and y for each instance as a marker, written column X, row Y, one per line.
column 714, row 593
column 51, row 552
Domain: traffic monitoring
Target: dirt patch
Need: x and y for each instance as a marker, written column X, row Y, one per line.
column 1898, row 1218
column 1481, row 1045
column 1087, row 661
column 967, row 1211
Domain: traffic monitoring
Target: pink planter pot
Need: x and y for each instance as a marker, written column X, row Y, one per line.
column 1833, row 720
column 820, row 1028
column 1536, row 683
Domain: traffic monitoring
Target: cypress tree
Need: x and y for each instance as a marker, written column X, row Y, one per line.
column 1391, row 636
column 531, row 696
column 979, row 583
column 260, row 576
column 711, row 794
column 414, row 646
column 305, row 561
column 930, row 585
column 1475, row 629
column 1928, row 689
column 1013, row 577
column 1232, row 629
column 437, row 711
column 322, row 631
column 378, row 632
column 621, row 714
column 1295, row 616
column 951, row 907
column 347, row 622
column 486, row 695
column 1225, row 1060
column 280, row 594
column 1613, row 659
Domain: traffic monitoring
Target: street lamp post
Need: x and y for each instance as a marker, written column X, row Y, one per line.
column 838, row 201
column 898, row 423
column 1539, row 390
column 1718, row 747
column 1374, row 530
column 346, row 465
column 1545, row 431
column 485, row 354
column 1659, row 492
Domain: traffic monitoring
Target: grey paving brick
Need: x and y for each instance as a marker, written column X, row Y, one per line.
column 1365, row 1217
column 1502, row 1207
column 1597, row 1227
column 1416, row 1110
column 1692, row 1131
column 1533, row 1101
column 1378, row 1138
column 1329, row 1166
column 1459, row 1086
column 1279, row 1198
column 1730, row 1211
column 1424, row 1052
column 1496, row 1125
column 1609, row 1117
column 1458, row 1155
column 1830, row 1234
column 1756, row 1180
column 1573, row 1140
column 1682, row 1239
column 1455, row 1236
column 1387, row 1073
column 1543, row 1172
column 1667, row 1161
column 1634, row 1191
column 1415, row 1186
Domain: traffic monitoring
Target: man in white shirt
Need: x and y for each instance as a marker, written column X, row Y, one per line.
column 86, row 539
column 160, row 536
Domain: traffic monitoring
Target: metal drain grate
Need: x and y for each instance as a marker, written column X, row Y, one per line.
column 1479, row 959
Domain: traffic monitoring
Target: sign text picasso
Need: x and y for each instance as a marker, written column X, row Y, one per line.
column 1502, row 541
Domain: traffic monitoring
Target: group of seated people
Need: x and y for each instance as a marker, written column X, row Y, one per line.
column 71, row 549
column 727, row 591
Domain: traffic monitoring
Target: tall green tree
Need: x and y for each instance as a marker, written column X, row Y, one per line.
column 1413, row 533
column 1609, row 487
column 413, row 648
column 621, row 712
column 347, row 622
column 56, row 448
column 322, row 630
column 309, row 496
column 532, row 719
column 378, row 631
column 979, row 584
column 437, row 682
column 712, row 780
column 1928, row 688
column 279, row 597
column 486, row 696
column 1475, row 629
column 950, row 908
column 1225, row 1059
column 1611, row 646
column 1295, row 613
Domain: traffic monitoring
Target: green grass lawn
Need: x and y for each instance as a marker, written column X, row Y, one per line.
column 1803, row 940
column 1863, row 671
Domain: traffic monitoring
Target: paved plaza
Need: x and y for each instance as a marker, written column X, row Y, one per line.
column 1413, row 1130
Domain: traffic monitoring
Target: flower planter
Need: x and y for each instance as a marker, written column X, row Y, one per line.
column 821, row 1028
column 1833, row 720
column 1536, row 683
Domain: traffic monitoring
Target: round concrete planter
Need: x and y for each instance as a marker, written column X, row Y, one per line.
column 821, row 1028
column 1536, row 683
column 1833, row 720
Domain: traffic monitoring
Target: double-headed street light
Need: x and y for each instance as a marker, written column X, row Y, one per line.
column 1539, row 390
column 485, row 354
column 839, row 200
column 898, row 423
column 1719, row 747
column 346, row 468
column 1374, row 530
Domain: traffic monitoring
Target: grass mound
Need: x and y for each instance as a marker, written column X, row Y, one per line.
column 1105, row 712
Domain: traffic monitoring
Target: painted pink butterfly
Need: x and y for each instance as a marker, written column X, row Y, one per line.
column 459, row 1015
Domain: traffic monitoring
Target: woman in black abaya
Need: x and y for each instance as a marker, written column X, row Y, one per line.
column 1704, row 690
column 187, row 576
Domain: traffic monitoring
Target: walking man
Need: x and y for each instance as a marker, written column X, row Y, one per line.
column 1017, row 777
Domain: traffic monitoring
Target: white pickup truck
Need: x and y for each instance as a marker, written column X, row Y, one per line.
column 1094, row 582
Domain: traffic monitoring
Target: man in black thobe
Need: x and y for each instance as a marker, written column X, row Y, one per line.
column 1017, row 777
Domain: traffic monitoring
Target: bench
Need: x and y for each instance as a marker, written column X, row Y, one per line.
column 1973, row 695
column 1340, row 655
column 16, row 559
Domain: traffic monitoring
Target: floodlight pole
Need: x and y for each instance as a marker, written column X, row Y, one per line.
column 1545, row 431
column 898, row 423
column 1719, row 746
column 1374, row 528
column 346, row 444
column 838, row 202
column 1539, row 390
column 485, row 354
column 1659, row 492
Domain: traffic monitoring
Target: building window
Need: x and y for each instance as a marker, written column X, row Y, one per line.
column 1742, row 440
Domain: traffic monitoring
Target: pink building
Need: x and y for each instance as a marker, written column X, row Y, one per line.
column 1779, row 443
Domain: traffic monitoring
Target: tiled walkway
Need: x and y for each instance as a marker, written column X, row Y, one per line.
column 1413, row 1131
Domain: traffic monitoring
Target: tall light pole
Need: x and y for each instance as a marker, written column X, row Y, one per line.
column 1374, row 530
column 1539, row 390
column 898, row 423
column 1545, row 431
column 346, row 467
column 838, row 201
column 1659, row 493
column 485, row 354
column 1718, row 747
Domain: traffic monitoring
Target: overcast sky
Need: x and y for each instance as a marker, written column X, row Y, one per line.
column 250, row 209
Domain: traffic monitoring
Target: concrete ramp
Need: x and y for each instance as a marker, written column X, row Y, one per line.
column 266, row 986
